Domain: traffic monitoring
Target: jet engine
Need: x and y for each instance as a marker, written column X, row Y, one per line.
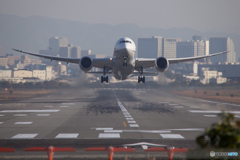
column 161, row 64
column 85, row 64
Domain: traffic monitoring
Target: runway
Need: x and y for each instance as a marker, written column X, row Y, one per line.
column 86, row 117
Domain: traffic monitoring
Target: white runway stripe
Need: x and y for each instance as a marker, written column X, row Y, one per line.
column 20, row 115
column 1, row 115
column 67, row 135
column 23, row 123
column 188, row 129
column 27, row 111
column 172, row 136
column 129, row 118
column 24, row 136
column 1, row 122
column 131, row 121
column 133, row 125
column 43, row 114
column 210, row 115
column 200, row 111
column 109, row 135
column 112, row 131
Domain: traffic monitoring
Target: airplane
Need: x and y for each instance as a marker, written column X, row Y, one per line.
column 123, row 63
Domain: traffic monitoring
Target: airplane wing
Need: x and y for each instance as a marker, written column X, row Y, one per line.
column 97, row 62
column 150, row 62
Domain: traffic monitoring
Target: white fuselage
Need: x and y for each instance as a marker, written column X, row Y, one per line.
column 123, row 58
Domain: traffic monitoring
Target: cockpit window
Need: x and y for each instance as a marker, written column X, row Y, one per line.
column 125, row 42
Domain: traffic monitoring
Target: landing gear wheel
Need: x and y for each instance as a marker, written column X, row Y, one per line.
column 141, row 79
column 104, row 79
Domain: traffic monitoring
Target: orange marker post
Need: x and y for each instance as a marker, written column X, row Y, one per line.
column 169, row 150
column 50, row 150
column 110, row 150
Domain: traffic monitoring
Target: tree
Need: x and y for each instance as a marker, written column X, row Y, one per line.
column 225, row 134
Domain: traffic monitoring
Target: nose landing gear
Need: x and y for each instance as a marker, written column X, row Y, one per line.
column 125, row 61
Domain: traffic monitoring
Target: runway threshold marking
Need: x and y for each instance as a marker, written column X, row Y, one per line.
column 1, row 122
column 27, row 111
column 124, row 124
column 23, row 136
column 67, row 135
column 199, row 111
column 109, row 135
column 172, row 136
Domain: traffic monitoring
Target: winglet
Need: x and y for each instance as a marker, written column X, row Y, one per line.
column 17, row 50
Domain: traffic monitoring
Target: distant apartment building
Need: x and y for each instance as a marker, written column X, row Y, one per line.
column 22, row 74
column 49, row 73
column 212, row 76
column 220, row 44
column 3, row 61
column 196, row 38
column 5, row 74
column 1, row 51
column 169, row 47
column 70, row 51
column 150, row 47
column 41, row 74
column 85, row 53
column 192, row 48
column 157, row 47
column 12, row 59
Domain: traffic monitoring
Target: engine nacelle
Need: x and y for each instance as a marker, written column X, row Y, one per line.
column 161, row 64
column 85, row 64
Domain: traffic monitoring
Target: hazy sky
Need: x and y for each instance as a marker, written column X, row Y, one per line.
column 202, row 15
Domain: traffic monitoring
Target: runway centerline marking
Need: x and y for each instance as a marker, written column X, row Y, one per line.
column 125, row 112
column 28, row 111
column 24, row 136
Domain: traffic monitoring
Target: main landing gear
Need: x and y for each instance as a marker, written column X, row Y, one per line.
column 141, row 79
column 104, row 79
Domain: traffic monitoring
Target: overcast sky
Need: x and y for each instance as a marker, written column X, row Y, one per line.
column 202, row 15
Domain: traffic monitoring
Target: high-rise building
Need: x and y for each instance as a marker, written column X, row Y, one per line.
column 220, row 44
column 192, row 48
column 54, row 44
column 196, row 38
column 169, row 47
column 150, row 47
column 70, row 51
column 76, row 52
column 1, row 51
column 85, row 53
